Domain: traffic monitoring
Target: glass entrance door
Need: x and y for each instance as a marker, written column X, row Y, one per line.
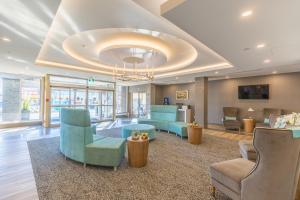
column 139, row 104
column 100, row 105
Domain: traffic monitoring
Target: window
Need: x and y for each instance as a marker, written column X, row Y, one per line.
column 97, row 96
column 20, row 99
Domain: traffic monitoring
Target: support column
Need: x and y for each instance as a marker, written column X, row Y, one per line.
column 201, row 107
column 47, row 102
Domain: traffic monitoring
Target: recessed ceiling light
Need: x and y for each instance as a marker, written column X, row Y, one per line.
column 274, row 72
column 216, row 72
column 267, row 61
column 5, row 39
column 176, row 78
column 259, row 46
column 247, row 13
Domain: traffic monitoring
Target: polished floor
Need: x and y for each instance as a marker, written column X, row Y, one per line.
column 16, row 176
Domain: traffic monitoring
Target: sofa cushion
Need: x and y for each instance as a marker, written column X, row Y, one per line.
column 229, row 118
column 107, row 143
column 106, row 152
column 230, row 173
column 179, row 128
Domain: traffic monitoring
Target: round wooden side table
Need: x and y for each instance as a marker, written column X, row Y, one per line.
column 249, row 125
column 194, row 134
column 137, row 152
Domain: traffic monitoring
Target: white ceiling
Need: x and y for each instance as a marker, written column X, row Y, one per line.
column 77, row 17
column 219, row 25
column 214, row 23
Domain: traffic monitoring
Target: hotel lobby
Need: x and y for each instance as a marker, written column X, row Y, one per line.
column 139, row 99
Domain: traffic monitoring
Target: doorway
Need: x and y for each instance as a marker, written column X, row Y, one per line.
column 139, row 104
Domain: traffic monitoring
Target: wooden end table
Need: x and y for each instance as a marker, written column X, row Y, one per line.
column 249, row 125
column 137, row 152
column 194, row 134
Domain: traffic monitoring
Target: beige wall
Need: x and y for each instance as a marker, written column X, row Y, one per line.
column 284, row 94
column 170, row 91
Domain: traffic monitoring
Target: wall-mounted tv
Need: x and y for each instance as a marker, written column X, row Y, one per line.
column 254, row 92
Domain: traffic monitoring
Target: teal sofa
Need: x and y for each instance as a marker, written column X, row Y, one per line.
column 79, row 142
column 164, row 117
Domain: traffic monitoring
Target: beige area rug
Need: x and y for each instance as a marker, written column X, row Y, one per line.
column 175, row 170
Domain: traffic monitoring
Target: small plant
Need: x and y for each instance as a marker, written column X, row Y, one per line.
column 135, row 136
column 26, row 105
column 194, row 124
column 144, row 136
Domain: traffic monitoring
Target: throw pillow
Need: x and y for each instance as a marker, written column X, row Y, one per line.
column 266, row 121
column 230, row 118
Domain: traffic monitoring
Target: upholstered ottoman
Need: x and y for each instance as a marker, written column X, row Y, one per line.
column 105, row 152
column 247, row 150
column 140, row 128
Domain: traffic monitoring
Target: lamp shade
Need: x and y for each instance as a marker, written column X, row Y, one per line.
column 250, row 110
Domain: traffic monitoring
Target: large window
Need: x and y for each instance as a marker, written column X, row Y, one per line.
column 97, row 96
column 121, row 99
column 20, row 99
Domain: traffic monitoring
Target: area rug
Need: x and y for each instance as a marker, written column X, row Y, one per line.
column 175, row 170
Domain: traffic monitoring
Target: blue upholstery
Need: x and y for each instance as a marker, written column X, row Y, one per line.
column 164, row 117
column 180, row 128
column 79, row 142
column 140, row 128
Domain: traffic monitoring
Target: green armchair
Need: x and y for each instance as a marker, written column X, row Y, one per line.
column 79, row 142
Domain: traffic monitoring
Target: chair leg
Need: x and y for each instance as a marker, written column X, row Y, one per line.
column 84, row 165
column 212, row 191
column 115, row 168
column 65, row 157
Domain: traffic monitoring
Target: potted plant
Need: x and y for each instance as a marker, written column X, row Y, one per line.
column 144, row 136
column 135, row 136
column 25, row 112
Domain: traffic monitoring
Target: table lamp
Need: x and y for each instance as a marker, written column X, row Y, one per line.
column 250, row 110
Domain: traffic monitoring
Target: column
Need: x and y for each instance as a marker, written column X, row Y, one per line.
column 201, row 107
column 47, row 102
column 11, row 107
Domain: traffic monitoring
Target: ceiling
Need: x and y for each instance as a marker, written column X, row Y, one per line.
column 221, row 26
column 83, row 38
column 38, row 30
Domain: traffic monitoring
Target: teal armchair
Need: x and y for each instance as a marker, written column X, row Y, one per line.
column 79, row 142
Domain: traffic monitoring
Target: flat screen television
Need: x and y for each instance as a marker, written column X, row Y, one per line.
column 254, row 92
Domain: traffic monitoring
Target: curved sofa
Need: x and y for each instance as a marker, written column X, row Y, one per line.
column 79, row 142
column 164, row 117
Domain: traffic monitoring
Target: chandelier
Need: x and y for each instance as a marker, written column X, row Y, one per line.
column 139, row 68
